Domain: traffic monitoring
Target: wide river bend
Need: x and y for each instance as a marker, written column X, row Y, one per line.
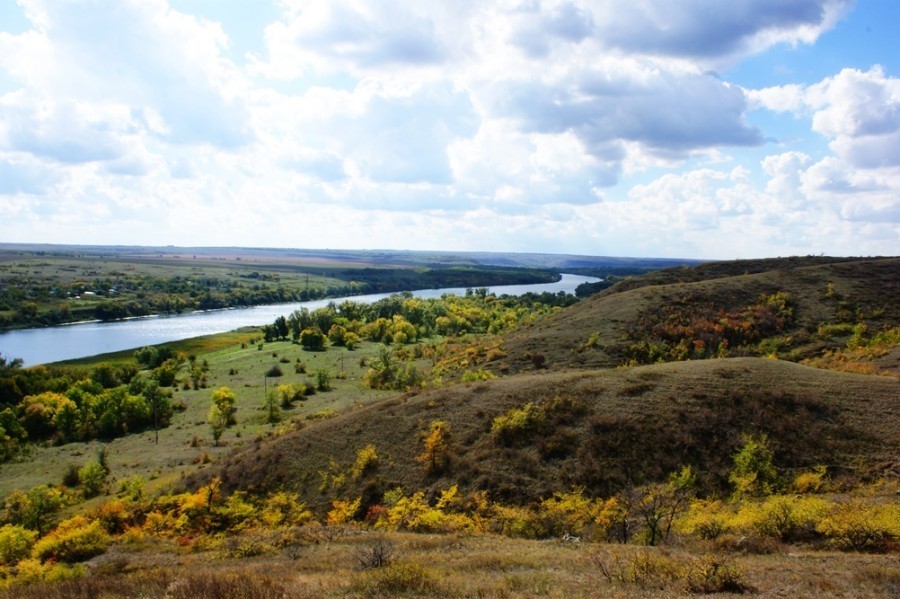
column 67, row 342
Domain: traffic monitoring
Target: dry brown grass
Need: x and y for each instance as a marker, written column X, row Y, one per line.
column 634, row 425
column 484, row 566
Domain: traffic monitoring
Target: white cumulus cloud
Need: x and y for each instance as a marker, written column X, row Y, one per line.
column 589, row 126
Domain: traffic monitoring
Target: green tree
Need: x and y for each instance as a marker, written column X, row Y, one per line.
column 167, row 373
column 147, row 356
column 225, row 400
column 11, row 434
column 753, row 473
column 281, row 328
column 27, row 311
column 351, row 340
column 35, row 510
column 298, row 321
column 117, row 412
column 216, row 423
column 323, row 380
column 222, row 412
column 288, row 394
column 337, row 334
column 92, row 477
column 39, row 413
column 160, row 407
column 312, row 339
column 271, row 407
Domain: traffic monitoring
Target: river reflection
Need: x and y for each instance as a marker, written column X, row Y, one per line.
column 52, row 344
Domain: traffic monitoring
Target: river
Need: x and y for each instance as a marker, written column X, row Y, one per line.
column 67, row 342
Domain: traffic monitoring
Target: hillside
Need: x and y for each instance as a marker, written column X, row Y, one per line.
column 585, row 423
column 730, row 268
column 599, row 332
column 604, row 430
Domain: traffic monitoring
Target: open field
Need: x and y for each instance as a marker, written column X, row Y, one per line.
column 186, row 444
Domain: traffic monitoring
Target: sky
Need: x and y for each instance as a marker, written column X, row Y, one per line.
column 647, row 128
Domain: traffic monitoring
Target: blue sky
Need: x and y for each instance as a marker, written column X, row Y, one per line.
column 697, row 128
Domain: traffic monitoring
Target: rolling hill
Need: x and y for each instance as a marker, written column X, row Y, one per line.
column 583, row 423
column 822, row 291
column 603, row 430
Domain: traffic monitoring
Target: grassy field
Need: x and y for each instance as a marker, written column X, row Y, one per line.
column 186, row 445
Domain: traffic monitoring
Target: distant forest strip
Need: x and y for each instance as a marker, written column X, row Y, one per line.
column 39, row 291
column 51, row 285
column 387, row 280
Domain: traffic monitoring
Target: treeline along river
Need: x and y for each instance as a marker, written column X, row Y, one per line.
column 53, row 344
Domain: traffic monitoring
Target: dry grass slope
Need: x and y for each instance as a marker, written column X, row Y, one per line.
column 823, row 291
column 603, row 430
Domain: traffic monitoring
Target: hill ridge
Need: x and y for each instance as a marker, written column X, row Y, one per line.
column 626, row 426
column 857, row 287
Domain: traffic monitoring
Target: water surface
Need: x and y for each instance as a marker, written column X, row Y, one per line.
column 67, row 342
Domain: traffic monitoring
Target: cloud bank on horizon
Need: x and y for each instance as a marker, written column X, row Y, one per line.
column 618, row 127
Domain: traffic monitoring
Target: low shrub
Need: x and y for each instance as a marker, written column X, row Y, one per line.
column 783, row 517
column 15, row 543
column 812, row 481
column 397, row 578
column 480, row 374
column 247, row 544
column 653, row 570
column 516, row 425
column 714, row 574
column 705, row 519
column 746, row 544
column 32, row 571
column 646, row 569
column 517, row 522
column 854, row 526
column 74, row 540
column 232, row 585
